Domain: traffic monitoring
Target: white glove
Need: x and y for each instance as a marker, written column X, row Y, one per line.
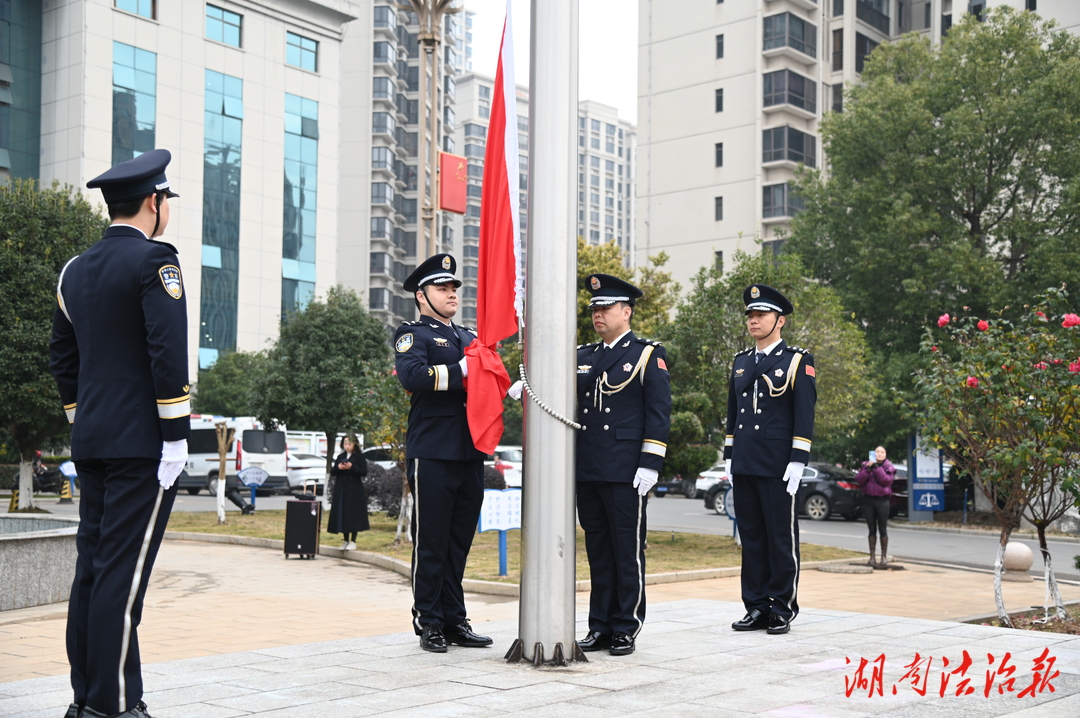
column 793, row 476
column 727, row 469
column 645, row 479
column 174, row 456
column 464, row 364
column 515, row 390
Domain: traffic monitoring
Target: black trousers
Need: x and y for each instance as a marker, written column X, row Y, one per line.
column 123, row 512
column 447, row 497
column 876, row 510
column 612, row 515
column 769, row 527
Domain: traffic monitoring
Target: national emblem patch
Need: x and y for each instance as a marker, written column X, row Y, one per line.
column 662, row 364
column 810, row 371
column 171, row 280
column 404, row 343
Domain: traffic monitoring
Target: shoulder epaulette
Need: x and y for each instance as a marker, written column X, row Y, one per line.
column 468, row 329
column 800, row 350
column 587, row 346
column 164, row 244
column 745, row 352
column 649, row 341
column 412, row 324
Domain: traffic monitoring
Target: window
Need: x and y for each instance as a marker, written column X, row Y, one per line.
column 381, row 228
column 875, row 13
column 595, row 125
column 718, row 208
column 609, row 165
column 472, row 150
column 787, row 30
column 787, row 143
column 381, row 88
column 837, row 8
column 134, row 102
column 472, row 130
column 473, row 211
column 471, row 231
column 1029, row 5
column 301, row 200
column 384, row 53
column 720, row 99
column 474, row 190
column 788, row 88
column 719, row 47
column 609, row 220
column 222, row 25
column 609, row 129
column 523, row 124
column 837, row 50
column 469, row 272
column 223, row 122
column 609, row 146
column 594, row 217
column 778, row 201
column 385, row 17
column 301, row 52
column 718, row 261
column 594, row 143
column 609, row 184
column 381, row 158
column 594, row 198
column 838, row 98
column 382, row 122
column 976, row 8
column 609, row 202
column 381, row 263
column 145, row 8
column 594, row 236
column 485, row 92
column 863, row 47
column 719, row 149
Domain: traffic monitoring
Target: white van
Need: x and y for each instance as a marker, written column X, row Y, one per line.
column 251, row 446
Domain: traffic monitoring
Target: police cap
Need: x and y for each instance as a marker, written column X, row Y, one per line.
column 607, row 290
column 439, row 269
column 135, row 179
column 763, row 298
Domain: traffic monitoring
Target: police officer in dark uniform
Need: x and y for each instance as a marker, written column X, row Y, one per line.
column 120, row 358
column 624, row 408
column 770, row 424
column 444, row 469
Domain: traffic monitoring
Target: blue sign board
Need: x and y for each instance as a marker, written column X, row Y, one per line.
column 926, row 478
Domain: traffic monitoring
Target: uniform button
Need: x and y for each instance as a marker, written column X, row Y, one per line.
column 584, row 427
column 761, row 395
column 465, row 404
column 759, row 411
column 587, row 393
column 742, row 411
column 740, row 426
column 744, row 394
column 586, row 411
column 756, row 427
column 607, row 410
column 605, row 427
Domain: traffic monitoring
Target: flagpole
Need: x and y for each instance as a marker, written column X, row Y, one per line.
column 547, row 610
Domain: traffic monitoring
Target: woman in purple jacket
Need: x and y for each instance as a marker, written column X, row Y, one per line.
column 875, row 479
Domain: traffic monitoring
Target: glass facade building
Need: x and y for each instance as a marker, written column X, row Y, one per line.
column 134, row 101
column 20, row 88
column 301, row 184
column 224, row 119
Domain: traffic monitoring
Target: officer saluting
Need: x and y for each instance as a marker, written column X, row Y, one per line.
column 444, row 469
column 624, row 408
column 119, row 355
column 770, row 424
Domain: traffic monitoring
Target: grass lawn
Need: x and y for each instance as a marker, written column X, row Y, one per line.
column 665, row 553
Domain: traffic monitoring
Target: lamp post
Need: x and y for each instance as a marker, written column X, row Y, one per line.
column 430, row 14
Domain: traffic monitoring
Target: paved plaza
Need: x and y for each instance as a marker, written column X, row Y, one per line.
column 237, row 630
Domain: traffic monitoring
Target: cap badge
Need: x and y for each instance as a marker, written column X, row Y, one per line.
column 755, row 292
column 594, row 283
column 446, row 263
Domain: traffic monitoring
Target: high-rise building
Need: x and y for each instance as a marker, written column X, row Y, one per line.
column 730, row 98
column 605, row 174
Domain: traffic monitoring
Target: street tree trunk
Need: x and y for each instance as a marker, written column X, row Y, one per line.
column 1053, row 593
column 404, row 514
column 999, row 567
column 26, row 485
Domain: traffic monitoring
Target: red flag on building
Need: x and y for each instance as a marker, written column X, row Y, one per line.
column 499, row 286
column 453, row 182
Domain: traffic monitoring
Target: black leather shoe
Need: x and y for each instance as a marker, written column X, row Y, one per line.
column 432, row 639
column 73, row 711
column 778, row 624
column 139, row 711
column 595, row 641
column 622, row 644
column 249, row 509
column 755, row 620
column 462, row 635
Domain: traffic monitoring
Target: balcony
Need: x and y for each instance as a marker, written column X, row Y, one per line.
column 866, row 11
column 804, row 4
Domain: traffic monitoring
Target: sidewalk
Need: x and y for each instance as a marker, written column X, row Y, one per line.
column 234, row 630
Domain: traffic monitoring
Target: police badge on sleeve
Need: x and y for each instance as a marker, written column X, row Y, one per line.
column 170, row 278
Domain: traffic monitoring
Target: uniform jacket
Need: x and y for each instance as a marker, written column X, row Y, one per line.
column 427, row 353
column 876, row 479
column 624, row 408
column 770, row 420
column 119, row 348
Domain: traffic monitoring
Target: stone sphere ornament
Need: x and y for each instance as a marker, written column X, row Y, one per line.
column 1017, row 557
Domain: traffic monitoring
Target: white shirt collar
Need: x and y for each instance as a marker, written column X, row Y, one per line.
column 769, row 349
column 619, row 339
column 121, row 224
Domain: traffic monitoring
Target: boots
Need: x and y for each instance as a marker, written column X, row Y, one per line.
column 884, row 551
column 873, row 548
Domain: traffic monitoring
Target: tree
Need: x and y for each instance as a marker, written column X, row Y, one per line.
column 951, row 181
column 711, row 327
column 1001, row 398
column 326, row 358
column 226, row 387
column 383, row 412
column 40, row 230
column 653, row 310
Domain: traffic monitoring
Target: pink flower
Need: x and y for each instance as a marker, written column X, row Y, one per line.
column 943, row 320
column 933, row 349
column 966, row 308
column 1055, row 361
column 1074, row 368
column 972, row 382
column 983, row 325
column 1006, row 367
column 1040, row 314
column 1041, row 365
column 1071, row 320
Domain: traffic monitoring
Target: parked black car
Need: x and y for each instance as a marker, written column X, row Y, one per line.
column 899, row 499
column 670, row 485
column 714, row 496
column 826, row 490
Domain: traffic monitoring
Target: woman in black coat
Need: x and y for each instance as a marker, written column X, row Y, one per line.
column 348, row 510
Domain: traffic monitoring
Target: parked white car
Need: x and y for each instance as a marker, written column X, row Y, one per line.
column 707, row 479
column 380, row 456
column 306, row 469
column 508, row 461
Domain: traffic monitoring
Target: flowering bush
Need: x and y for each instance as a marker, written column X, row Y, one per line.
column 1002, row 401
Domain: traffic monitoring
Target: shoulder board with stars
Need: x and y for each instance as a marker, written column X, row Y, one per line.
column 798, row 350
column 412, row 324
column 164, row 244
column 745, row 352
column 588, row 346
column 649, row 341
column 468, row 329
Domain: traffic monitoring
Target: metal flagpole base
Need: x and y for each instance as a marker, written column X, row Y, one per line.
column 516, row 654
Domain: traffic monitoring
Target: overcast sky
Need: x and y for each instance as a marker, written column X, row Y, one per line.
column 607, row 58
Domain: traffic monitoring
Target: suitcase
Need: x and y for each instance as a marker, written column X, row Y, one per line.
column 303, row 524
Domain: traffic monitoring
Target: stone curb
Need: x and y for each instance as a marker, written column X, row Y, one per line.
column 492, row 588
column 982, row 532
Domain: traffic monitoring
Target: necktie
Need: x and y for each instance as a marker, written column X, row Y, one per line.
column 757, row 357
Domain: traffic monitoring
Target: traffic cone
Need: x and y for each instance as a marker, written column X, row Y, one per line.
column 65, row 491
column 14, row 501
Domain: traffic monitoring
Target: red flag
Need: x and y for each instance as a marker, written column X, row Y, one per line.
column 498, row 286
column 453, row 182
